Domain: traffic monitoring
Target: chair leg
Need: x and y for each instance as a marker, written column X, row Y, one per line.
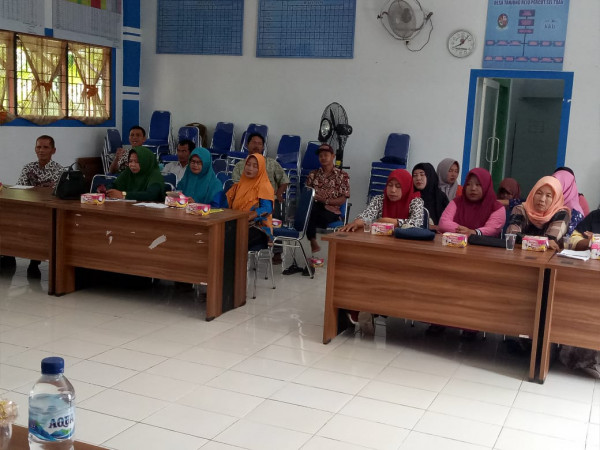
column 311, row 271
column 271, row 266
column 255, row 268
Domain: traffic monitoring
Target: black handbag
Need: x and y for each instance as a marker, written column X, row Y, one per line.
column 71, row 184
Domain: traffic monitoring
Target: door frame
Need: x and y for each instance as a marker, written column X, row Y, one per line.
column 567, row 77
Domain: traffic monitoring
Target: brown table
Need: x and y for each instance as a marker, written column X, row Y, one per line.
column 20, row 441
column 159, row 243
column 27, row 226
column 479, row 288
column 573, row 308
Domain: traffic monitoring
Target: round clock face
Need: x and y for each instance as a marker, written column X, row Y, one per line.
column 461, row 43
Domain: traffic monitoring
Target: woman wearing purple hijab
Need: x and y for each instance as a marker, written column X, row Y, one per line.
column 571, row 196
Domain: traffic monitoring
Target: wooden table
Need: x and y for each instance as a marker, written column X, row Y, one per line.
column 573, row 308
column 159, row 243
column 478, row 288
column 20, row 441
column 27, row 226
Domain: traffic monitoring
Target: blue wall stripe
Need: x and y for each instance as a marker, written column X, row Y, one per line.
column 131, row 63
column 131, row 117
column 127, row 33
column 131, row 13
column 48, row 32
column 567, row 77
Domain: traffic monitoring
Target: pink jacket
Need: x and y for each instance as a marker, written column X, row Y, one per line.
column 493, row 226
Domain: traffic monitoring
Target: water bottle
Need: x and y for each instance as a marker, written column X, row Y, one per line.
column 52, row 408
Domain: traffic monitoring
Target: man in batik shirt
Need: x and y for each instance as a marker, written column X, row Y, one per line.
column 44, row 172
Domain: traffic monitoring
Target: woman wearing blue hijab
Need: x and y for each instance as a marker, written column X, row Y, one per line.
column 199, row 180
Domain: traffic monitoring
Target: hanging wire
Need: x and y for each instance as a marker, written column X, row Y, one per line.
column 428, row 18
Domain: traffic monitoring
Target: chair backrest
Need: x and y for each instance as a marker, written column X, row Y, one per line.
column 223, row 176
column 160, row 125
column 288, row 151
column 397, row 147
column 113, row 140
column 425, row 219
column 170, row 178
column 169, row 186
column 201, row 131
column 303, row 210
column 219, row 165
column 222, row 140
column 263, row 130
column 101, row 179
column 189, row 133
column 310, row 160
column 227, row 185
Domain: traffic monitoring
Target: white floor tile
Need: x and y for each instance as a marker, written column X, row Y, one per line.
column 269, row 368
column 286, row 415
column 246, row 384
column 289, row 355
column 478, row 391
column 95, row 428
column 9, row 350
column 411, row 378
column 563, row 383
column 99, row 373
column 32, row 359
column 196, row 422
column 363, row 432
column 212, row 357
column 155, row 346
column 401, row 395
column 383, row 412
column 332, row 381
column 547, row 425
column 493, row 376
column 128, row 359
column 349, row 366
column 141, row 436
column 470, row 409
column 459, row 429
column 321, row 443
column 221, row 401
column 13, row 377
column 258, row 436
column 122, row 404
column 511, row 439
column 311, row 397
column 553, row 406
column 421, row 441
column 442, row 365
column 186, row 371
column 156, row 386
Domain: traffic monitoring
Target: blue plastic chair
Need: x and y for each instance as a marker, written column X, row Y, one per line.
column 112, row 141
column 159, row 133
column 310, row 160
column 292, row 237
column 395, row 157
column 222, row 140
column 98, row 180
column 170, row 178
column 185, row 133
column 223, row 176
column 219, row 165
column 263, row 130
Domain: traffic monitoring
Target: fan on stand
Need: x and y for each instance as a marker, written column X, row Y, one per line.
column 403, row 19
column 334, row 129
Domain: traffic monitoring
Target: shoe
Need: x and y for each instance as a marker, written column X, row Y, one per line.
column 366, row 323
column 8, row 262
column 316, row 262
column 593, row 371
column 276, row 259
column 306, row 272
column 294, row 268
column 33, row 271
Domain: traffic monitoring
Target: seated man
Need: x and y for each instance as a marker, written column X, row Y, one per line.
column 137, row 137
column 184, row 149
column 278, row 178
column 332, row 188
column 44, row 172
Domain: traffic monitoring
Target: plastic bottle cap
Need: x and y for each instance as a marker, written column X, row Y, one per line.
column 53, row 365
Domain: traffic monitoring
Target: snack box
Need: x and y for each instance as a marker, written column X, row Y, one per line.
column 177, row 202
column 454, row 240
column 595, row 248
column 595, row 238
column 535, row 243
column 92, row 199
column 197, row 209
column 382, row 229
column 276, row 223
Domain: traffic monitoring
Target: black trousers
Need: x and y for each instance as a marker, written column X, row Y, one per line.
column 319, row 218
column 257, row 239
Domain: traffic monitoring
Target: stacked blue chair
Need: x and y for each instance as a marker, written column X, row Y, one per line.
column 112, row 141
column 288, row 156
column 222, row 140
column 223, row 176
column 310, row 160
column 159, row 134
column 233, row 157
column 170, row 181
column 98, row 180
column 395, row 157
column 219, row 165
column 185, row 133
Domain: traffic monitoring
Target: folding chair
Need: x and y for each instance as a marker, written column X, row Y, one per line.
column 345, row 212
column 257, row 254
column 112, row 141
column 185, row 133
column 219, row 165
column 287, row 237
column 170, row 178
column 222, row 140
column 159, row 134
column 101, row 180
column 263, row 130
column 227, row 184
column 310, row 160
column 223, row 176
column 395, row 157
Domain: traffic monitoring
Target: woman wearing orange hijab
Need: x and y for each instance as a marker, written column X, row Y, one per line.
column 254, row 193
column 543, row 214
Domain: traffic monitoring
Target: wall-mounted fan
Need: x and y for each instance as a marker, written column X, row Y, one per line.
column 403, row 19
column 334, row 129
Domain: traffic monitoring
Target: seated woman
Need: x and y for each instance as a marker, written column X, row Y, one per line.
column 447, row 171
column 254, row 193
column 544, row 213
column 508, row 190
column 141, row 180
column 199, row 180
column 477, row 211
column 400, row 204
column 426, row 181
column 570, row 195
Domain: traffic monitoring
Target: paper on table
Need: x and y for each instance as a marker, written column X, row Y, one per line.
column 20, row 186
column 152, row 205
column 582, row 255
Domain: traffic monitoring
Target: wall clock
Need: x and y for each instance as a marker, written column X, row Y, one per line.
column 461, row 43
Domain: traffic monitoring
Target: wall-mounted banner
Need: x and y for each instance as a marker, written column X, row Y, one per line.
column 525, row 34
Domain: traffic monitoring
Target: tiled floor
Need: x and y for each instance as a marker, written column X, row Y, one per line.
column 150, row 373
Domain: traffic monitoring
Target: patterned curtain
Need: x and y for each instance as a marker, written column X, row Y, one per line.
column 88, row 92
column 39, row 90
column 6, row 73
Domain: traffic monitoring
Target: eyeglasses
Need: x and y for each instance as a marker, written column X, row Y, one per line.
column 195, row 163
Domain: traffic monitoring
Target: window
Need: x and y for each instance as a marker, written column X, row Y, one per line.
column 51, row 79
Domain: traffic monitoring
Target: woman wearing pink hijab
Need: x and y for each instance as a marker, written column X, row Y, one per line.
column 571, row 196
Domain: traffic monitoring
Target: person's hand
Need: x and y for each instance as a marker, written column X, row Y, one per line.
column 588, row 235
column 464, row 230
column 319, row 199
column 252, row 216
column 114, row 193
column 353, row 226
column 119, row 154
column 553, row 245
column 280, row 198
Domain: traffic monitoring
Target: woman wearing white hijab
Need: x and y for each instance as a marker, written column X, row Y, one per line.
column 447, row 171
